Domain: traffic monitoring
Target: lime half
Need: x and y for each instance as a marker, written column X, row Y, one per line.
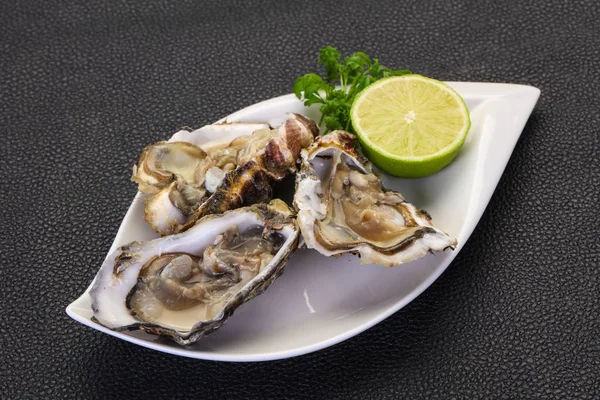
column 410, row 126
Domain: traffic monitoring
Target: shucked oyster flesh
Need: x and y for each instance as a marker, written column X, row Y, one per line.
column 245, row 167
column 188, row 156
column 186, row 285
column 344, row 208
column 163, row 162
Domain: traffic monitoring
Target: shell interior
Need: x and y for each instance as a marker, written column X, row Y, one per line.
column 221, row 174
column 344, row 208
column 186, row 285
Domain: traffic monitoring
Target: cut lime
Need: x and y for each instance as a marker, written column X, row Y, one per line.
column 410, row 126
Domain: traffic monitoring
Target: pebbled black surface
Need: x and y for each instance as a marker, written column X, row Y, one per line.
column 83, row 87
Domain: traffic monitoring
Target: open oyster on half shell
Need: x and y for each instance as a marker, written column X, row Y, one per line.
column 187, row 285
column 186, row 181
column 344, row 208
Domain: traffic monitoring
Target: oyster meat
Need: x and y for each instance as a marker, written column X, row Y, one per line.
column 344, row 208
column 163, row 162
column 187, row 182
column 187, row 285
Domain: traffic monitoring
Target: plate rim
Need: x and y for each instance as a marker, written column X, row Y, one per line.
column 491, row 90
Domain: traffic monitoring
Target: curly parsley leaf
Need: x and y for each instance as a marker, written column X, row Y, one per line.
column 353, row 74
column 330, row 58
column 309, row 87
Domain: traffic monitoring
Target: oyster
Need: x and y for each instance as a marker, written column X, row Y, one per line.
column 344, row 208
column 187, row 285
column 163, row 162
column 188, row 182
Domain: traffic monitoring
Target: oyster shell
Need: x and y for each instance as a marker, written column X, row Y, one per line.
column 220, row 175
column 187, row 285
column 186, row 161
column 344, row 208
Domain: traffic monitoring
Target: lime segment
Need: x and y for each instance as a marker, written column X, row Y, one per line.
column 410, row 126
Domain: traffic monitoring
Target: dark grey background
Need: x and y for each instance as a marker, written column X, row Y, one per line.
column 83, row 87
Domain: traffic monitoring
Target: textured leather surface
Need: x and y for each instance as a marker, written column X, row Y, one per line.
column 83, row 87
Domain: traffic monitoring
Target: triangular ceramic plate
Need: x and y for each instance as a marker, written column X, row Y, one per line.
column 321, row 301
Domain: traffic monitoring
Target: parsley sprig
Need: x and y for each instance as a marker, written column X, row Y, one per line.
column 354, row 73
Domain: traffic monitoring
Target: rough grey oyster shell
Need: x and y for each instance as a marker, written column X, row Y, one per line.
column 344, row 208
column 187, row 182
column 187, row 285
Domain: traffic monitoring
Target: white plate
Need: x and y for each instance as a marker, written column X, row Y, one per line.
column 321, row 301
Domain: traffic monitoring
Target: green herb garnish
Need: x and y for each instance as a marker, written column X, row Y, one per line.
column 352, row 74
